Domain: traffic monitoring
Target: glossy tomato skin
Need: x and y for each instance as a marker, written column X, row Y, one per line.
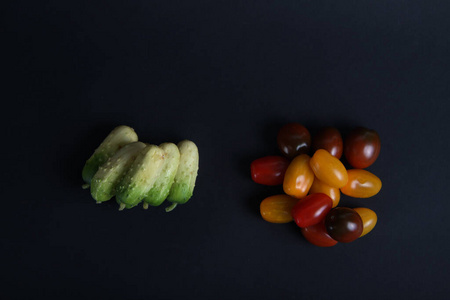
column 317, row 235
column 362, row 147
column 344, row 224
column 269, row 170
column 311, row 210
column 277, row 208
column 321, row 187
column 293, row 139
column 328, row 169
column 361, row 184
column 369, row 219
column 330, row 139
column 298, row 177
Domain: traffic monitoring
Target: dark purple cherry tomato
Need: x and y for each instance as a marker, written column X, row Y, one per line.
column 293, row 139
column 344, row 224
column 330, row 139
column 362, row 147
column 269, row 170
column 311, row 209
column 318, row 235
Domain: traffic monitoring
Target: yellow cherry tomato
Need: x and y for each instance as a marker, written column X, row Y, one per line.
column 328, row 169
column 369, row 218
column 321, row 187
column 298, row 177
column 361, row 184
column 277, row 209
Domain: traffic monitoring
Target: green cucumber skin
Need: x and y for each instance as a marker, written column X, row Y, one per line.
column 92, row 165
column 180, row 193
column 140, row 177
column 108, row 176
column 161, row 188
column 117, row 138
column 183, row 186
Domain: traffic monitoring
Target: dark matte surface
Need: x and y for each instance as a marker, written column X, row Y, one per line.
column 227, row 75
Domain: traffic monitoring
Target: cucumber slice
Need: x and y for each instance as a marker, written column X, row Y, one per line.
column 108, row 176
column 119, row 137
column 140, row 177
column 183, row 186
column 160, row 190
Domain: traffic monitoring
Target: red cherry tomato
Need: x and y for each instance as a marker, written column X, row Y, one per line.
column 344, row 224
column 362, row 147
column 318, row 235
column 269, row 170
column 311, row 209
column 293, row 139
column 330, row 139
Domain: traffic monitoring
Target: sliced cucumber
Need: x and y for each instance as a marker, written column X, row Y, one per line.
column 160, row 190
column 119, row 137
column 184, row 182
column 108, row 176
column 140, row 177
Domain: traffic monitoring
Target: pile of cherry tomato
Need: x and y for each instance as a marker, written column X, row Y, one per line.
column 313, row 184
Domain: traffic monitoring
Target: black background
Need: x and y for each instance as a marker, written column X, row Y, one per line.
column 227, row 75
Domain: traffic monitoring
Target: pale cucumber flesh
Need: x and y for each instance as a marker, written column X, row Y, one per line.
column 183, row 187
column 161, row 188
column 140, row 177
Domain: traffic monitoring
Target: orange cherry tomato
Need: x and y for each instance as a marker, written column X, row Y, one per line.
column 277, row 209
column 298, row 177
column 321, row 187
column 328, row 169
column 369, row 218
column 361, row 184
